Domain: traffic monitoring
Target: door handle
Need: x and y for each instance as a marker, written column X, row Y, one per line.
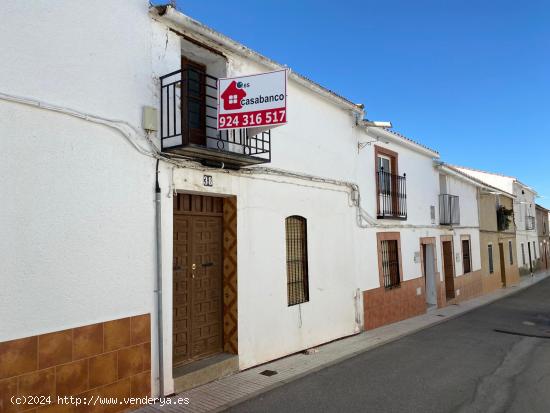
column 207, row 264
column 193, row 268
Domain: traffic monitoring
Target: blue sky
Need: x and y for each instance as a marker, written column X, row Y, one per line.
column 468, row 78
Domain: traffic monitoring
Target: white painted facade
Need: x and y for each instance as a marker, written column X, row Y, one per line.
column 468, row 192
column 524, row 206
column 78, row 202
column 79, row 218
column 78, row 224
column 422, row 191
column 320, row 134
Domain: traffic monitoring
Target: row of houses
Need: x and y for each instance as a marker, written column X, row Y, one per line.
column 136, row 257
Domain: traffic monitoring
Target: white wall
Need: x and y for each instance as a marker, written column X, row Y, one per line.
column 422, row 192
column 469, row 222
column 268, row 328
column 316, row 140
column 78, row 213
column 524, row 205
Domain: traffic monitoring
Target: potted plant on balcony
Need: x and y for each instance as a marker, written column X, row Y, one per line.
column 504, row 218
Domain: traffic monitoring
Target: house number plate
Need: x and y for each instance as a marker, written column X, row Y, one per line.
column 207, row 180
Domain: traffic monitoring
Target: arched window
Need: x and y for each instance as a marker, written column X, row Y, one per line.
column 296, row 260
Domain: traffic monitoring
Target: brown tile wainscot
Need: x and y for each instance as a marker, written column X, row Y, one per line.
column 109, row 359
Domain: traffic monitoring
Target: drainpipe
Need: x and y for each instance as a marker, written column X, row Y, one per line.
column 158, row 290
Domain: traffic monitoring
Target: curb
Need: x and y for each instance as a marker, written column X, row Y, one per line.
column 517, row 289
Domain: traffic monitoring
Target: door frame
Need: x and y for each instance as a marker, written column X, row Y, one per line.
column 502, row 263
column 192, row 217
column 545, row 244
column 530, row 257
column 380, row 151
column 437, row 278
column 229, row 277
column 197, row 136
column 443, row 239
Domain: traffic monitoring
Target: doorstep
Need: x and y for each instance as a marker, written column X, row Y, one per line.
column 221, row 394
column 204, row 371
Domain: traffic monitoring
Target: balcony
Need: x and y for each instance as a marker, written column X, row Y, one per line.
column 449, row 209
column 392, row 195
column 529, row 223
column 504, row 218
column 188, row 124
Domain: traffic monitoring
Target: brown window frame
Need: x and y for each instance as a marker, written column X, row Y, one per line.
column 468, row 240
column 383, row 237
column 297, row 268
column 394, row 164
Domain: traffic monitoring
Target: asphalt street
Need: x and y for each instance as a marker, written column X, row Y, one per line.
column 493, row 359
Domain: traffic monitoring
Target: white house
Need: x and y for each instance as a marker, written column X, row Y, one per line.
column 424, row 225
column 259, row 263
column 142, row 244
column 524, row 215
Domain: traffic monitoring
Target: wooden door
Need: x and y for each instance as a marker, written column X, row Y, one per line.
column 193, row 102
column 197, row 278
column 448, row 268
column 502, row 264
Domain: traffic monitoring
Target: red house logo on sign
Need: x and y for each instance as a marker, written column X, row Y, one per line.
column 232, row 97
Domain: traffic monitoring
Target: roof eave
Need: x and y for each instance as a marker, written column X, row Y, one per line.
column 172, row 17
column 392, row 137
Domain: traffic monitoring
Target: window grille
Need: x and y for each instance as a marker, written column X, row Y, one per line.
column 390, row 263
column 511, row 254
column 296, row 260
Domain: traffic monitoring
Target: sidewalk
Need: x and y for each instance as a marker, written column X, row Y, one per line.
column 232, row 390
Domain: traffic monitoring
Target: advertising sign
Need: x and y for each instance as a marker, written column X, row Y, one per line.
column 252, row 101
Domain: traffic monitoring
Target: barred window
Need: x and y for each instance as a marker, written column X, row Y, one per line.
column 491, row 265
column 296, row 260
column 390, row 263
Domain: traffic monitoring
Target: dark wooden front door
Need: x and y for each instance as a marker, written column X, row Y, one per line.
column 197, row 277
column 448, row 267
column 502, row 264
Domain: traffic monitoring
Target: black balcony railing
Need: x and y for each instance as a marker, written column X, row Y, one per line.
column 529, row 223
column 449, row 209
column 392, row 195
column 188, row 123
